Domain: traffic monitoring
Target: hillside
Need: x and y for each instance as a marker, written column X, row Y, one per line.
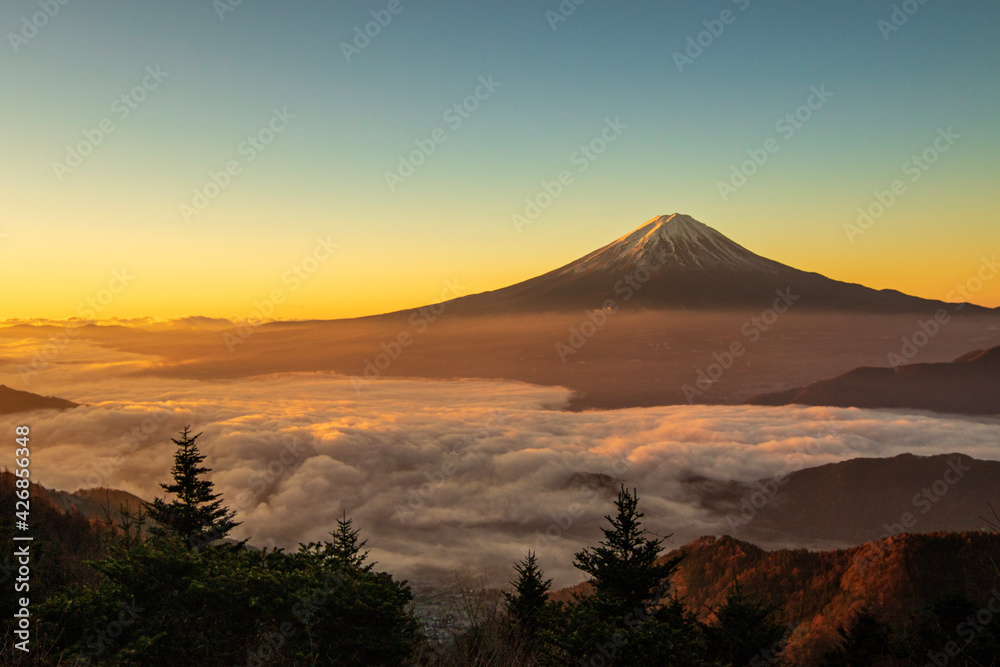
column 94, row 504
column 968, row 385
column 63, row 542
column 12, row 400
column 816, row 593
column 858, row 500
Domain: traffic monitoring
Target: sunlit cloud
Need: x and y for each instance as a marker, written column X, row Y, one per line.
column 446, row 475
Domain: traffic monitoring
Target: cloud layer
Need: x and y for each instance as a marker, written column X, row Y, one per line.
column 441, row 476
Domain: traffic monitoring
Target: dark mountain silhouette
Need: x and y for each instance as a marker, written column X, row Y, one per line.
column 677, row 262
column 95, row 506
column 968, row 385
column 12, row 400
column 99, row 504
column 854, row 501
column 69, row 538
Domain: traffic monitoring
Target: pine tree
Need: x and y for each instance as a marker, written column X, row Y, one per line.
column 744, row 628
column 623, row 569
column 866, row 641
column 527, row 603
column 345, row 550
column 197, row 516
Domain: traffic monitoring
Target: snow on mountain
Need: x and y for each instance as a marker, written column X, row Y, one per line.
column 678, row 241
column 674, row 261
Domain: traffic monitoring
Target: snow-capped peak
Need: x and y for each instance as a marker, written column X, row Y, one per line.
column 676, row 241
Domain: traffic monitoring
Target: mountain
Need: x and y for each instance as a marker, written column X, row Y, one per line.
column 12, row 400
column 896, row 579
column 97, row 504
column 968, row 385
column 854, row 501
column 938, row 578
column 677, row 262
column 63, row 542
column 667, row 343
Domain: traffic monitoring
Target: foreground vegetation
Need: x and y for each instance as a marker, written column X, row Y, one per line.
column 164, row 585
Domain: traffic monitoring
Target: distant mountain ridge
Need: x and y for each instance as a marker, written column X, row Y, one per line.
column 858, row 500
column 12, row 400
column 677, row 262
column 97, row 504
column 968, row 385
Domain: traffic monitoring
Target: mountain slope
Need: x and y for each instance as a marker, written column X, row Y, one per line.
column 814, row 593
column 854, row 501
column 677, row 262
column 818, row 592
column 97, row 504
column 968, row 385
column 12, row 400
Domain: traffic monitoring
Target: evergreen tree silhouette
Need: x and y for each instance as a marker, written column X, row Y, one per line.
column 527, row 603
column 623, row 568
column 197, row 516
column 345, row 549
column 744, row 628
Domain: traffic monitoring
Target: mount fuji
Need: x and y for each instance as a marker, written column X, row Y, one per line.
column 684, row 294
column 677, row 262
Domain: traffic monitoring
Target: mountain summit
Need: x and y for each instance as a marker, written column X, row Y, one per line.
column 677, row 241
column 675, row 261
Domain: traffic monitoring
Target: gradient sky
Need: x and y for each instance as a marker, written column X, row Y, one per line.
column 323, row 176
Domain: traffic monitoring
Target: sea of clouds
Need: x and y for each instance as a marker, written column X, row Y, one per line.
column 442, row 477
